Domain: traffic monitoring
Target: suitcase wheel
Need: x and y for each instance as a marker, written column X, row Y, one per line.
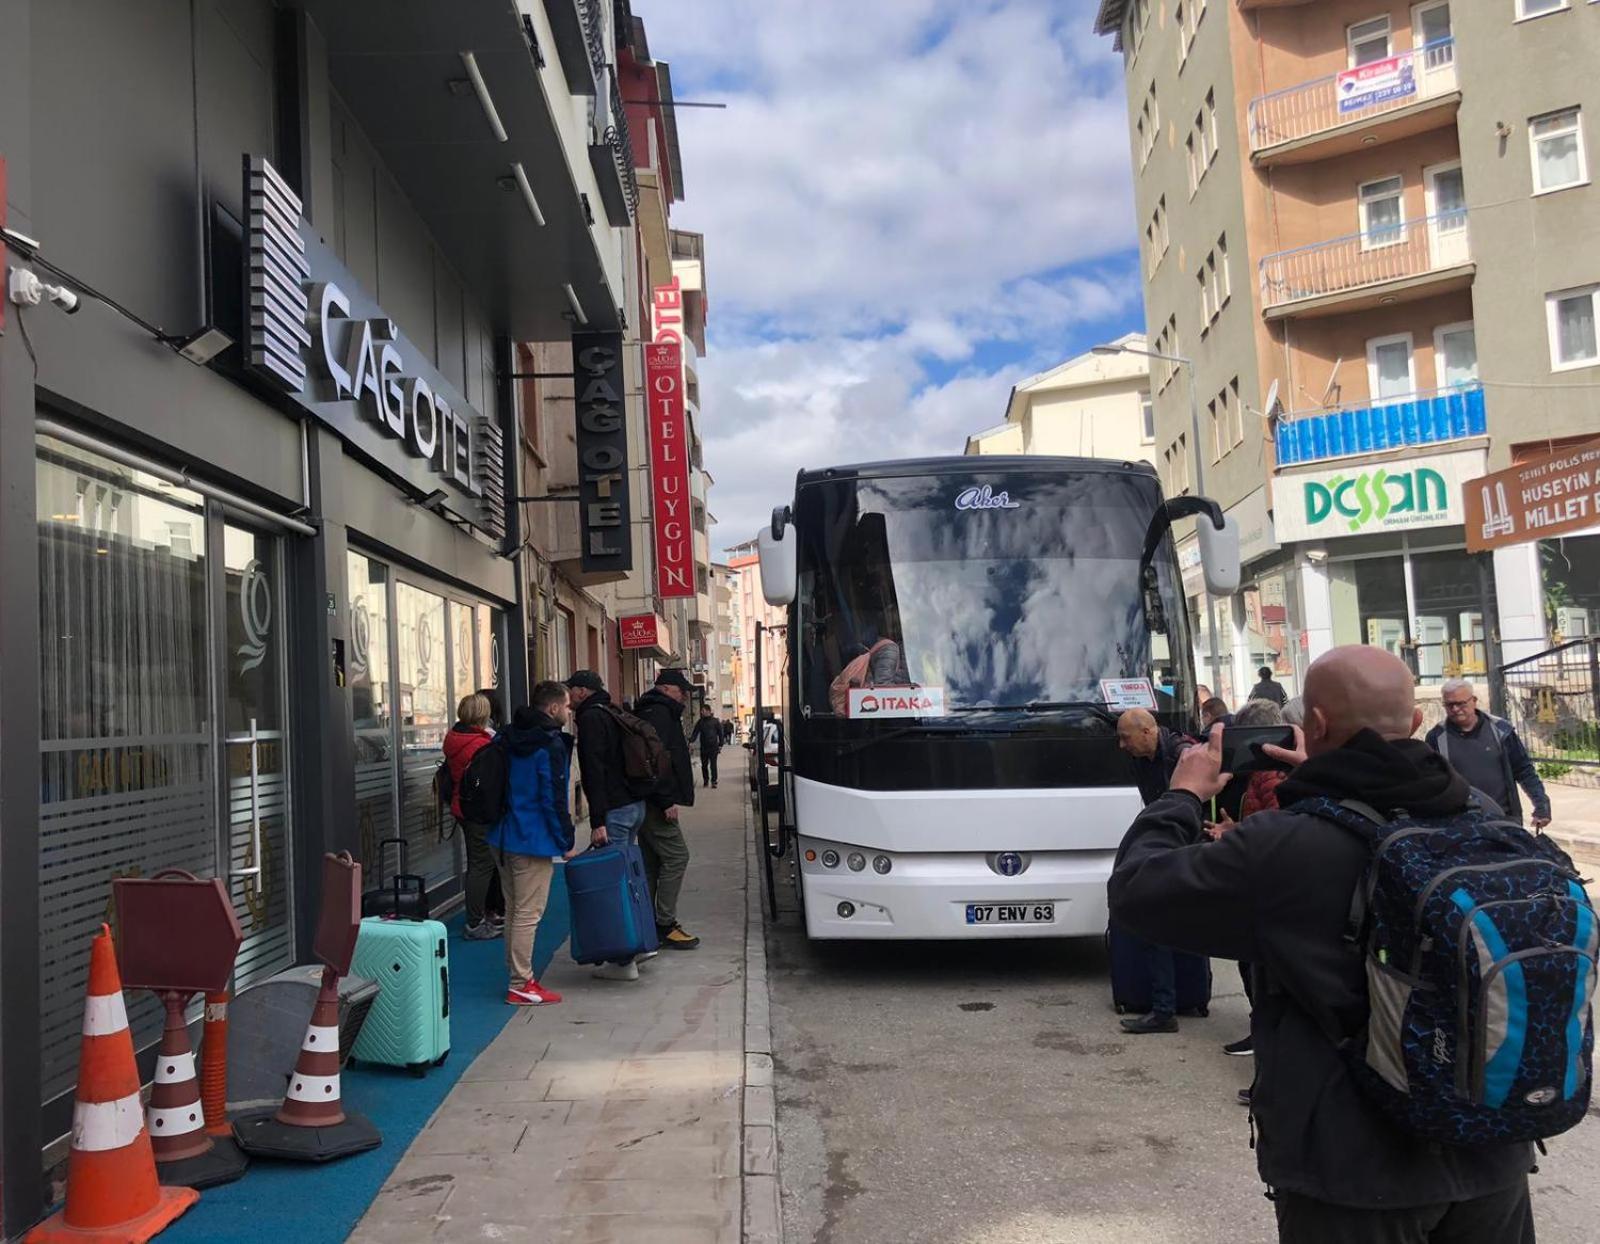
column 439, row 1062
column 417, row 1070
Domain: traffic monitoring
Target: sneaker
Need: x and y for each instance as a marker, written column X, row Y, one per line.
column 617, row 972
column 532, row 993
column 483, row 931
column 1144, row 1024
column 645, row 957
column 1240, row 1048
column 676, row 939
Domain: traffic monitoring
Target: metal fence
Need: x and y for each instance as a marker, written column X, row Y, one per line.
column 1392, row 251
column 1552, row 700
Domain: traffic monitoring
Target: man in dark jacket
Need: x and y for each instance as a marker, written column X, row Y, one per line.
column 708, row 734
column 535, row 828
column 1269, row 688
column 616, row 814
column 1487, row 751
column 666, row 855
column 1276, row 891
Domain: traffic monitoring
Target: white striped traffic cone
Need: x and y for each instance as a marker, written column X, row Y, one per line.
column 112, row 1190
column 185, row 1152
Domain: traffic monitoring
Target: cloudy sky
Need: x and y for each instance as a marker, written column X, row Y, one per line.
column 908, row 205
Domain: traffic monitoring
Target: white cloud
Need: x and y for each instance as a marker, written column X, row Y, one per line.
column 895, row 186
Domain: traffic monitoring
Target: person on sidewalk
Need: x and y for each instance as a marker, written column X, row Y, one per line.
column 1277, row 891
column 708, row 733
column 666, row 855
column 615, row 812
column 466, row 739
column 535, row 827
column 1486, row 751
column 1268, row 689
column 1154, row 751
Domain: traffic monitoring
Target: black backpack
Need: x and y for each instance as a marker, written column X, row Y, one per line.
column 483, row 786
column 646, row 762
column 444, row 785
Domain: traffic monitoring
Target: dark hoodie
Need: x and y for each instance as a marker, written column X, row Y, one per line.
column 666, row 715
column 537, row 820
column 600, row 765
column 1276, row 892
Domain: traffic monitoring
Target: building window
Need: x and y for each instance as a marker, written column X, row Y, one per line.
column 1237, row 409
column 1224, row 280
column 1538, row 8
column 1382, row 211
column 1147, row 419
column 1176, row 462
column 1572, row 314
column 1188, row 17
column 1156, row 234
column 1389, row 367
column 1557, row 149
column 1368, row 41
column 1211, row 126
column 1148, row 126
column 1455, row 355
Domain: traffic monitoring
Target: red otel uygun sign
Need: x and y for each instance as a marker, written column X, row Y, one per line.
column 669, row 468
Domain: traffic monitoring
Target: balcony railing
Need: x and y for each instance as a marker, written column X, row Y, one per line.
column 1416, row 419
column 1391, row 252
column 1339, row 99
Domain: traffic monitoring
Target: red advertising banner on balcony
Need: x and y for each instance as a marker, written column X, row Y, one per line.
column 669, row 468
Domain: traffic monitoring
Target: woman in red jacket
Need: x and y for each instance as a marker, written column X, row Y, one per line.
column 467, row 737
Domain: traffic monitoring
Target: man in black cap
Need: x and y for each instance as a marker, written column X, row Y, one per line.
column 615, row 812
column 666, row 855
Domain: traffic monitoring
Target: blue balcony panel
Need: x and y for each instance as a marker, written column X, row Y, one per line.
column 1418, row 419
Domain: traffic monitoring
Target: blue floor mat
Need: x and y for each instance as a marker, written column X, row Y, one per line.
column 309, row 1204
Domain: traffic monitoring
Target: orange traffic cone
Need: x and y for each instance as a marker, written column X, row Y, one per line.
column 311, row 1125
column 112, row 1193
column 214, row 1065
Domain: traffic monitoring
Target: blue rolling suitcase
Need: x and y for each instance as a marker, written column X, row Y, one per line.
column 613, row 918
column 409, row 1023
column 1130, row 978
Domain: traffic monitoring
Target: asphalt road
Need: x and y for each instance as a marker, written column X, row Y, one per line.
column 956, row 1093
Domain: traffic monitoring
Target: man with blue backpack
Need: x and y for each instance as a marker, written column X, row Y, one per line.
column 1423, row 969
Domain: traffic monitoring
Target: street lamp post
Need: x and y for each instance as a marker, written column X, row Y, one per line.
column 1199, row 476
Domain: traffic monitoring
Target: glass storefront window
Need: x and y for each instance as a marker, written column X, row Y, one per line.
column 463, row 680
column 1449, row 620
column 1570, row 569
column 372, row 709
column 425, row 714
column 1369, row 602
column 1270, row 629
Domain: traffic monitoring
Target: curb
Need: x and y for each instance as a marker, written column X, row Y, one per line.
column 763, row 1210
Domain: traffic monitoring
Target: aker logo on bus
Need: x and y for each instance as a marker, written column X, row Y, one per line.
column 985, row 498
column 896, row 702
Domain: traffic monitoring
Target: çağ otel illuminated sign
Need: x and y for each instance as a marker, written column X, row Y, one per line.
column 602, row 436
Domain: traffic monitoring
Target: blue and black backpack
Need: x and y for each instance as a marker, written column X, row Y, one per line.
column 1479, row 942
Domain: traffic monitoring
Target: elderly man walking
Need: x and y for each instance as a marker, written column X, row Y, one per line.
column 1486, row 751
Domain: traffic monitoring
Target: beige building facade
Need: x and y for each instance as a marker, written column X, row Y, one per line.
column 1092, row 406
column 1370, row 225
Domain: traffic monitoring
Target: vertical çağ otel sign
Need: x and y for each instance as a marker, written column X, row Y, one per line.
column 669, row 468
column 603, row 520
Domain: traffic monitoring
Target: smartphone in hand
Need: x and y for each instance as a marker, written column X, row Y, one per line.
column 1241, row 747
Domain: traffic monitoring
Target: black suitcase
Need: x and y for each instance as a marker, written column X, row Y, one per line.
column 1130, row 980
column 404, row 896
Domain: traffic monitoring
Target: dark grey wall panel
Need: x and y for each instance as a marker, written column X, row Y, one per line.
column 318, row 123
column 448, row 301
column 405, row 266
column 236, row 96
column 114, row 160
column 354, row 169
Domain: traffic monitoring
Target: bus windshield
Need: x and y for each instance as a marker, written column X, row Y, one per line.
column 1013, row 591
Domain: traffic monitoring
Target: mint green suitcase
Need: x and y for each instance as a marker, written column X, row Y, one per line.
column 409, row 1023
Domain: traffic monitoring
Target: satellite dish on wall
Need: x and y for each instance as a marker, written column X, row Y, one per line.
column 1272, row 399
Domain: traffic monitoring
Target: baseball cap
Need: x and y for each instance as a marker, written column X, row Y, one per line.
column 673, row 678
column 586, row 679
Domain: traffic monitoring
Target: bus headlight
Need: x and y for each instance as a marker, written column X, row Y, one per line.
column 881, row 864
column 857, row 861
column 830, row 859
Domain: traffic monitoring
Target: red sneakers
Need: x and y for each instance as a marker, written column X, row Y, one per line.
column 531, row 994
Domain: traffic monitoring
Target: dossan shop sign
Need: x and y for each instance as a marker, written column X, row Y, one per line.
column 1365, row 500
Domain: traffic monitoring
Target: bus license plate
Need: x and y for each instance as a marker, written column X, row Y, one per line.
column 1011, row 913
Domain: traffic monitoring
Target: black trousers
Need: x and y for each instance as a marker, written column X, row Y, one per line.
column 1501, row 1218
column 708, row 768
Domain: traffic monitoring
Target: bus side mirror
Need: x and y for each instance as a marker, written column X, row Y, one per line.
column 1219, row 556
column 780, row 561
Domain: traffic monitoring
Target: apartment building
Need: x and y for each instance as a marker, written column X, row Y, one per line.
column 1369, row 226
column 1094, row 406
column 759, row 666
column 726, row 639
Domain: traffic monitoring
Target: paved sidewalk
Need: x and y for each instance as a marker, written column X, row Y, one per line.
column 615, row 1115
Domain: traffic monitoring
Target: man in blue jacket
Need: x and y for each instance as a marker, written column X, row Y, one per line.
column 535, row 827
column 1486, row 751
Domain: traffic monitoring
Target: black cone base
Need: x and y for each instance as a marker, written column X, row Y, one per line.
column 262, row 1136
column 221, row 1164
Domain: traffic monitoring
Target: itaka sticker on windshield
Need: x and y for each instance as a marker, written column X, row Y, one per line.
column 896, row 702
column 1125, row 693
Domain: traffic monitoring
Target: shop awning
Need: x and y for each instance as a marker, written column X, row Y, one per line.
column 394, row 68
